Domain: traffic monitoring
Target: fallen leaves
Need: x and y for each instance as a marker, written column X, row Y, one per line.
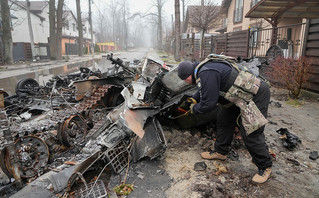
column 219, row 169
column 123, row 189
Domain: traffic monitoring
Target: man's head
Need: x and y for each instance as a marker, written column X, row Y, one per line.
column 185, row 70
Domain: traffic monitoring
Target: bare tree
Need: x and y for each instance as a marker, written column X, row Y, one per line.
column 91, row 28
column 204, row 17
column 124, row 9
column 159, row 5
column 80, row 28
column 177, row 32
column 184, row 4
column 6, row 32
column 59, row 25
column 53, row 43
column 157, row 19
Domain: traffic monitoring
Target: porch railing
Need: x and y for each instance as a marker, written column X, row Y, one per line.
column 286, row 41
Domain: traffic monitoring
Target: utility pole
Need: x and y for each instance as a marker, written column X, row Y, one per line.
column 30, row 29
column 53, row 35
column 90, row 20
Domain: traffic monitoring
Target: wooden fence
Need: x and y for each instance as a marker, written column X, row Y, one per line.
column 191, row 47
column 233, row 44
column 188, row 50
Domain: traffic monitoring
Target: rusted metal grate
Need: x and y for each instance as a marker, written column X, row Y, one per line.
column 118, row 156
column 98, row 190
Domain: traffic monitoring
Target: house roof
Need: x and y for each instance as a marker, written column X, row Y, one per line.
column 23, row 4
column 275, row 9
column 190, row 10
column 67, row 13
column 35, row 6
column 225, row 5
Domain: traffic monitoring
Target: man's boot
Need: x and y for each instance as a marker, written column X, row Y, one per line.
column 213, row 156
column 262, row 176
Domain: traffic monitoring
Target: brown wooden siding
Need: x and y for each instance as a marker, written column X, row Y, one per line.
column 312, row 51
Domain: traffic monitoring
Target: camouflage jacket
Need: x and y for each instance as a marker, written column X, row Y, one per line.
column 241, row 93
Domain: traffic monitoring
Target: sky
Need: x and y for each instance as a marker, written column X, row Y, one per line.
column 141, row 6
column 134, row 5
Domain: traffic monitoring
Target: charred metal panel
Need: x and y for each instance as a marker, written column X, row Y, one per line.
column 153, row 142
column 67, row 177
column 151, row 68
column 173, row 83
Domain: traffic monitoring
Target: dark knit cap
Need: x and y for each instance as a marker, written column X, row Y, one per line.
column 185, row 69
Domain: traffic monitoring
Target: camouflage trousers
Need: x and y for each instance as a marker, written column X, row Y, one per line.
column 255, row 142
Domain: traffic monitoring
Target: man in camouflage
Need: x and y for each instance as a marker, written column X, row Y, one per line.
column 243, row 100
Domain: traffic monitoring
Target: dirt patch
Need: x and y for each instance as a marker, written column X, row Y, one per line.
column 293, row 173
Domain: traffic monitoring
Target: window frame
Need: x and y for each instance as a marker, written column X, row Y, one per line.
column 238, row 11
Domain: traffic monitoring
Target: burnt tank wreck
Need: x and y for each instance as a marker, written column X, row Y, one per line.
column 54, row 134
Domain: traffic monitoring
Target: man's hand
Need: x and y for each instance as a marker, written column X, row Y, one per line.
column 187, row 103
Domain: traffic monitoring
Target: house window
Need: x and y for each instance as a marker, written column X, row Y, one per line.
column 237, row 29
column 238, row 12
column 254, row 2
column 73, row 26
column 225, row 22
column 67, row 25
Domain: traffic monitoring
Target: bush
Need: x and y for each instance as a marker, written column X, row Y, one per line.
column 96, row 48
column 86, row 50
column 292, row 74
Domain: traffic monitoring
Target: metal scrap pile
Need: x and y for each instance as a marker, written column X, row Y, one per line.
column 67, row 126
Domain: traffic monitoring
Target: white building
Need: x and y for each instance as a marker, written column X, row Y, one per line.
column 40, row 24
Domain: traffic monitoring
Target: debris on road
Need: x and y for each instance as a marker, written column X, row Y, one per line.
column 289, row 140
column 314, row 155
column 76, row 121
column 219, row 168
column 200, row 166
column 96, row 123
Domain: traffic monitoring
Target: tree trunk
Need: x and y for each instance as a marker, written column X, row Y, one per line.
column 30, row 29
column 160, row 27
column 90, row 20
column 59, row 29
column 124, row 27
column 52, row 42
column 183, row 16
column 80, row 28
column 6, row 31
column 177, row 32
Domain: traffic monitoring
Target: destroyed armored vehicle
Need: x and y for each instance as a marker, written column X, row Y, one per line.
column 113, row 117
